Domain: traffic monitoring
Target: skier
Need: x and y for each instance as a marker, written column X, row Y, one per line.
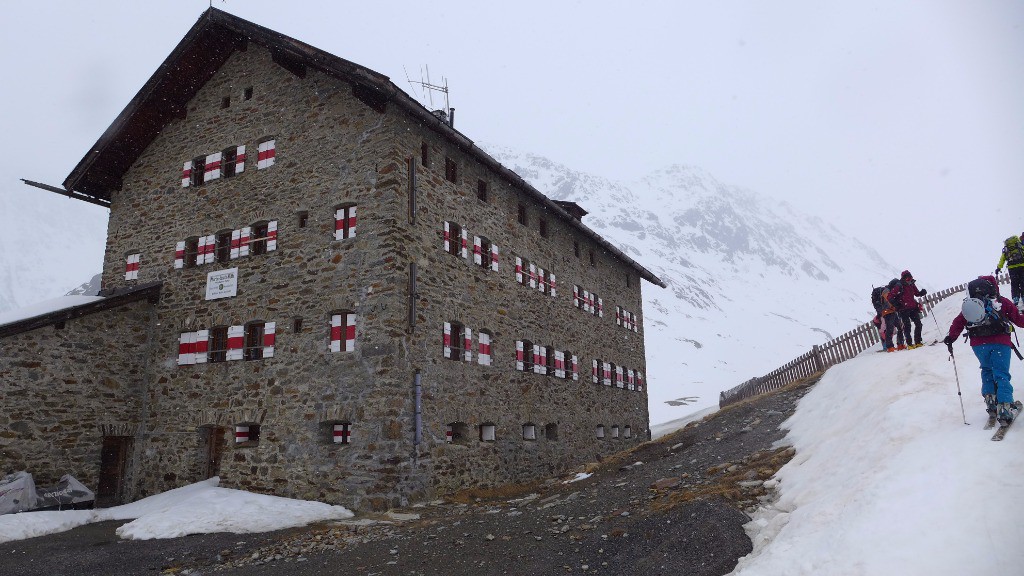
column 903, row 298
column 1013, row 257
column 990, row 340
column 889, row 320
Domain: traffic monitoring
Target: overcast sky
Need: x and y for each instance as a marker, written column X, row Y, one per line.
column 902, row 122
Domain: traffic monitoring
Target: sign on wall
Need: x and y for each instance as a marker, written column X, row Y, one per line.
column 222, row 284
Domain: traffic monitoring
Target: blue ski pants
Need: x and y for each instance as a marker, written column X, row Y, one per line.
column 995, row 370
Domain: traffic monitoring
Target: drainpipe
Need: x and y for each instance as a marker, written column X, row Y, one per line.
column 412, row 296
column 419, row 413
column 412, row 190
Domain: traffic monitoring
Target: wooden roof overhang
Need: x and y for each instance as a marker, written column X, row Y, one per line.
column 205, row 48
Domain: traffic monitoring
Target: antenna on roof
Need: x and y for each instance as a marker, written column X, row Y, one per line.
column 446, row 114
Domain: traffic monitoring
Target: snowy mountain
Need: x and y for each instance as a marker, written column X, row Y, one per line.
column 48, row 244
column 752, row 282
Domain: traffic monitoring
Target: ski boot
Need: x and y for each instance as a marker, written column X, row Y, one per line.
column 1008, row 411
column 990, row 404
column 901, row 347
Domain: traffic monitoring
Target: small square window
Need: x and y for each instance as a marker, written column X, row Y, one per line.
column 303, row 219
column 629, row 281
column 297, row 325
column 247, row 434
column 481, row 190
column 487, row 432
column 225, row 102
column 522, row 215
column 247, row 95
column 543, row 224
column 593, row 259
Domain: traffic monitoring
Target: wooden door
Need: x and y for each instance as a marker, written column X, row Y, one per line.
column 113, row 465
column 212, row 445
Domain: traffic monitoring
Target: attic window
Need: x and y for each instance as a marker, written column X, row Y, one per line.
column 481, row 190
column 543, row 227
column 593, row 259
column 522, row 215
column 576, row 248
column 629, row 281
column 425, row 155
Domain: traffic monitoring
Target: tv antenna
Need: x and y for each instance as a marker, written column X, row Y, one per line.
column 426, row 96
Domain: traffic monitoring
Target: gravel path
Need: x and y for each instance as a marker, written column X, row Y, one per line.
column 673, row 506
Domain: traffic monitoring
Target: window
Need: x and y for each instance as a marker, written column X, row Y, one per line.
column 247, row 434
column 296, row 325
column 344, row 221
column 599, row 431
column 343, row 331
column 456, row 433
column 302, row 219
column 524, row 356
column 567, row 370
column 341, row 432
column 543, row 227
column 482, row 252
column 629, row 281
column 576, row 248
column 454, row 341
column 225, row 102
column 453, row 238
column 615, row 431
column 627, row 432
column 522, row 215
column 223, row 249
column 549, row 358
column 481, row 190
column 191, row 251
column 451, row 170
column 228, row 162
column 254, row 332
column 258, row 243
column 218, row 347
column 198, row 171
column 551, row 431
column 593, row 260
column 247, row 94
column 529, row 431
column 487, row 432
column 425, row 155
column 526, row 273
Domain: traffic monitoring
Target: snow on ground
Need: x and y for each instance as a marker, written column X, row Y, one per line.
column 198, row 508
column 887, row 479
column 45, row 307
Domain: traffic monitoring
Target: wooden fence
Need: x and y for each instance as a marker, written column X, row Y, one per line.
column 822, row 357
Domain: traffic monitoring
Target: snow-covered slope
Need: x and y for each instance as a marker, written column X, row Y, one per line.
column 752, row 282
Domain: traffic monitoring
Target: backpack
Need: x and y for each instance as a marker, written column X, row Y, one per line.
column 981, row 310
column 1014, row 251
column 876, row 298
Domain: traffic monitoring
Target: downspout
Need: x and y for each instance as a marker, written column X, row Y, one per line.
column 419, row 415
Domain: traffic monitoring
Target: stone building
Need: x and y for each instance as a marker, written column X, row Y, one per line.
column 317, row 288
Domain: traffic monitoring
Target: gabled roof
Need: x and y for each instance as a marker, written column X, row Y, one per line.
column 203, row 50
column 61, row 314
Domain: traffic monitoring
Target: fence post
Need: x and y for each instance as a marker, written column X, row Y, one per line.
column 818, row 365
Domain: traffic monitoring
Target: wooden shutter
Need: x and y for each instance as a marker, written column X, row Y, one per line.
column 236, row 343
column 211, row 171
column 186, row 174
column 266, row 153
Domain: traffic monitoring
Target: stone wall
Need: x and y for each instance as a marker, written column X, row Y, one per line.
column 62, row 389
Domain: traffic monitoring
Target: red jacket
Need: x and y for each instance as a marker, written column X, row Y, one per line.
column 1008, row 311
column 902, row 295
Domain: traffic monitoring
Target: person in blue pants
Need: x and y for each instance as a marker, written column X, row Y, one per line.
column 992, row 345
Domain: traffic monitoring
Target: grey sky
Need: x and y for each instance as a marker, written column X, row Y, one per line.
column 902, row 122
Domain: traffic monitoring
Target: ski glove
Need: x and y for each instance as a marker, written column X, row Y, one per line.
column 948, row 341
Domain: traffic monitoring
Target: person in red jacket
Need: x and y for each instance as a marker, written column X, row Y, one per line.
column 992, row 346
column 903, row 298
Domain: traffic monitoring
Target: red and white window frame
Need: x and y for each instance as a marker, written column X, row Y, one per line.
column 345, row 222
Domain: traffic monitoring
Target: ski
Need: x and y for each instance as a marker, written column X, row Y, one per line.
column 991, row 422
column 1001, row 432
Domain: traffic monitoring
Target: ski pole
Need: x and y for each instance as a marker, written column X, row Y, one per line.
column 955, row 373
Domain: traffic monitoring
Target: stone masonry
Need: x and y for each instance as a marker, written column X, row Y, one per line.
column 334, row 148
